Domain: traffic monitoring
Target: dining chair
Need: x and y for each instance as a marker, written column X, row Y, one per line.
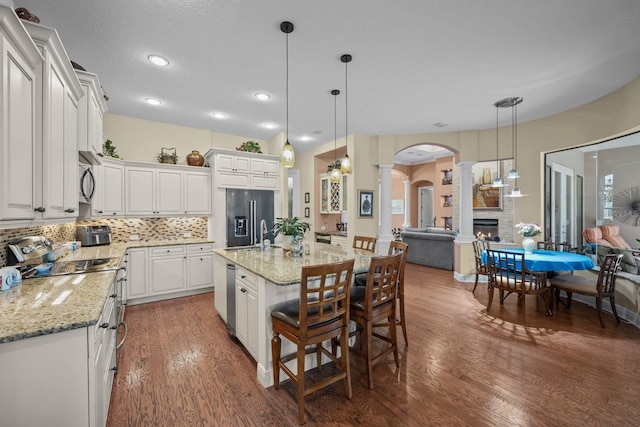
column 602, row 287
column 508, row 273
column 479, row 246
column 320, row 314
column 364, row 242
column 555, row 246
column 361, row 280
column 375, row 304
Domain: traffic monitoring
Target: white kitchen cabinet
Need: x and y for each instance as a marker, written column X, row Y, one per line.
column 333, row 195
column 164, row 272
column 91, row 109
column 232, row 163
column 19, row 61
column 200, row 266
column 137, row 273
column 197, row 192
column 69, row 375
column 247, row 310
column 265, row 167
column 113, row 187
column 167, row 269
column 57, row 93
column 152, row 191
column 245, row 170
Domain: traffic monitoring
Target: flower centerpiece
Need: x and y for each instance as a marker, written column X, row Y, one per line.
column 527, row 231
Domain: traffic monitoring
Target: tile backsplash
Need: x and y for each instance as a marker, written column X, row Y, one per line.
column 56, row 233
column 121, row 230
column 153, row 228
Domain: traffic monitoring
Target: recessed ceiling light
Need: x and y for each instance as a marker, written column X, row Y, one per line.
column 158, row 60
column 153, row 101
column 305, row 138
column 262, row 96
column 440, row 125
column 219, row 115
column 269, row 125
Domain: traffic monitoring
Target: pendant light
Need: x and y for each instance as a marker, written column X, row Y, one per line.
column 513, row 173
column 497, row 182
column 287, row 157
column 345, row 162
column 336, row 173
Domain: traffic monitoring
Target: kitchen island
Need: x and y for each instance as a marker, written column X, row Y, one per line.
column 264, row 279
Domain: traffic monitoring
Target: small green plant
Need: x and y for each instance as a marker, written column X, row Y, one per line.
column 167, row 157
column 108, row 149
column 333, row 165
column 250, row 146
column 290, row 226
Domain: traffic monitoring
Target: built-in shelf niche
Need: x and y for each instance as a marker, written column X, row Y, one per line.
column 447, row 200
column 447, row 177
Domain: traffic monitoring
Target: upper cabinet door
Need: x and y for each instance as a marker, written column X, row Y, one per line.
column 113, row 187
column 169, row 190
column 17, row 138
column 197, row 193
column 140, row 191
column 57, row 93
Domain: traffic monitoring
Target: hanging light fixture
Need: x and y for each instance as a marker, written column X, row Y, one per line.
column 336, row 173
column 513, row 173
column 287, row 157
column 345, row 162
column 497, row 182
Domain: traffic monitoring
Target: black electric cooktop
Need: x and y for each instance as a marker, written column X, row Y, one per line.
column 62, row 268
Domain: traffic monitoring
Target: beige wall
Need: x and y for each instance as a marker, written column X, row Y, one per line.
column 141, row 140
column 615, row 114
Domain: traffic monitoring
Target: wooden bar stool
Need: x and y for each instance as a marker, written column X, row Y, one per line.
column 321, row 314
column 375, row 304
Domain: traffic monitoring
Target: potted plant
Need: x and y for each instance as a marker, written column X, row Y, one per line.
column 108, row 149
column 333, row 165
column 250, row 146
column 166, row 156
column 290, row 228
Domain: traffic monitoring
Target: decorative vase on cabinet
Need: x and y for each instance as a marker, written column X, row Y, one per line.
column 195, row 158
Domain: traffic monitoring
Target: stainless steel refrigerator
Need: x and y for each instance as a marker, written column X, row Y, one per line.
column 245, row 210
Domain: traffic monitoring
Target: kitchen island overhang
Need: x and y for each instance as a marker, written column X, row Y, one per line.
column 278, row 277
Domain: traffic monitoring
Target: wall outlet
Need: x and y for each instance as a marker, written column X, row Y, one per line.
column 187, row 235
column 134, row 237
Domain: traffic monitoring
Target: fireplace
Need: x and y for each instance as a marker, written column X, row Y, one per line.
column 485, row 228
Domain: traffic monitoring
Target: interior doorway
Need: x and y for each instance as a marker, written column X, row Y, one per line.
column 562, row 204
column 425, row 207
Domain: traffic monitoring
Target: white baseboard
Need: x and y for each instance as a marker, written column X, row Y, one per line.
column 469, row 277
column 624, row 313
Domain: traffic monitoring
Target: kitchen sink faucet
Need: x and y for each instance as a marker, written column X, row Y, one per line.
column 263, row 233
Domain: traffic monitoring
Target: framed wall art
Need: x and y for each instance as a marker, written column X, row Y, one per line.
column 365, row 204
column 306, row 197
column 307, row 213
column 484, row 195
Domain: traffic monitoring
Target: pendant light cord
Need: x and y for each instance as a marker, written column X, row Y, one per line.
column 287, row 85
column 497, row 161
column 346, row 108
column 335, row 125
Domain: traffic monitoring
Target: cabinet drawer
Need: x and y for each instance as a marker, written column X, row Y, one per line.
column 167, row 250
column 233, row 180
column 199, row 249
column 247, row 277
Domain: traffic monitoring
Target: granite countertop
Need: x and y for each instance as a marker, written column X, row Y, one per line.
column 282, row 269
column 48, row 305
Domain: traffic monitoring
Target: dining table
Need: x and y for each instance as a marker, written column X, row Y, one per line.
column 546, row 260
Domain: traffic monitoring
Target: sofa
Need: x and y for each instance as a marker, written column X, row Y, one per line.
column 432, row 247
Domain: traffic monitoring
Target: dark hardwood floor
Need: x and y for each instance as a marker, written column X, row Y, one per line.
column 463, row 366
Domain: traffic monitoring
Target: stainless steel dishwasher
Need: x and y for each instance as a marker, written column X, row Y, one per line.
column 231, row 299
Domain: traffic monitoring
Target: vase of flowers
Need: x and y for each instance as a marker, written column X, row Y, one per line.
column 290, row 228
column 527, row 231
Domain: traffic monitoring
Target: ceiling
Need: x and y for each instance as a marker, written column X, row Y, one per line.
column 415, row 63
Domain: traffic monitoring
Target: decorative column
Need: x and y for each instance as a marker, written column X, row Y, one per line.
column 465, row 204
column 385, row 236
column 407, row 204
